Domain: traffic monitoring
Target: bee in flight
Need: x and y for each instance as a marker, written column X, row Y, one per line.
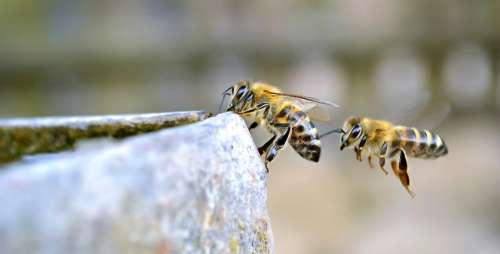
column 288, row 117
column 383, row 140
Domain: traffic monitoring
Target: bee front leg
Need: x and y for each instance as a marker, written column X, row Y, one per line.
column 362, row 143
column 360, row 147
column 400, row 169
column 261, row 107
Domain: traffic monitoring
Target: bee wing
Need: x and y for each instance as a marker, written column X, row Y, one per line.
column 317, row 112
column 433, row 116
column 315, row 108
column 303, row 98
column 428, row 116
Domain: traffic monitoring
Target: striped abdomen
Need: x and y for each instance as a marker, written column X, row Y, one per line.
column 419, row 143
column 304, row 137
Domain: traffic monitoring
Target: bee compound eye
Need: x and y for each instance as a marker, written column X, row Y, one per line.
column 356, row 131
column 241, row 91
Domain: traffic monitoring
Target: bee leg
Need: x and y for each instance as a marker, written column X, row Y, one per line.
column 278, row 145
column 253, row 126
column 381, row 163
column 360, row 147
column 381, row 159
column 263, row 149
column 401, row 171
column 362, row 143
column 266, row 146
column 260, row 107
column 358, row 154
column 370, row 161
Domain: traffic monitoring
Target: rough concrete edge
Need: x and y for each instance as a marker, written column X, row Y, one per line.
column 16, row 169
column 27, row 136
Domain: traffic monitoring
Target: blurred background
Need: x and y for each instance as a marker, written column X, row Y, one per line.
column 430, row 63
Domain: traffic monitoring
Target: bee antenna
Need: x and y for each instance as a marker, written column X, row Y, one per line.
column 339, row 130
column 227, row 91
column 224, row 94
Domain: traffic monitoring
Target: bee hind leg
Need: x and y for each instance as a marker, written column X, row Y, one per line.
column 400, row 169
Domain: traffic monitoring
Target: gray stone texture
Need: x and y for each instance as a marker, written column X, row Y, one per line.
column 199, row 188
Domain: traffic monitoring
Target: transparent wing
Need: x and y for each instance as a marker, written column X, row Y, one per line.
column 432, row 116
column 427, row 116
column 303, row 98
column 317, row 112
column 315, row 108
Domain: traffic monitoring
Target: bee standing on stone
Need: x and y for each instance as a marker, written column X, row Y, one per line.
column 287, row 116
column 383, row 140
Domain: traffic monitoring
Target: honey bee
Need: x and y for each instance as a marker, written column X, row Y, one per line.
column 383, row 140
column 288, row 117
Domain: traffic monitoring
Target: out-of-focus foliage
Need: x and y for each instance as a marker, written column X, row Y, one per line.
column 431, row 64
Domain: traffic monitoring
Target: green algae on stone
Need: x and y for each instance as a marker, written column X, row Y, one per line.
column 27, row 136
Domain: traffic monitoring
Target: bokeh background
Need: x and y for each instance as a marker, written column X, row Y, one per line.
column 430, row 63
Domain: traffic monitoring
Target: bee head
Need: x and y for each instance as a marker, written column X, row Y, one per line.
column 352, row 132
column 240, row 96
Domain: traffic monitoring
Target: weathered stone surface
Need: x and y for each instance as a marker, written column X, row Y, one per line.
column 24, row 136
column 200, row 188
